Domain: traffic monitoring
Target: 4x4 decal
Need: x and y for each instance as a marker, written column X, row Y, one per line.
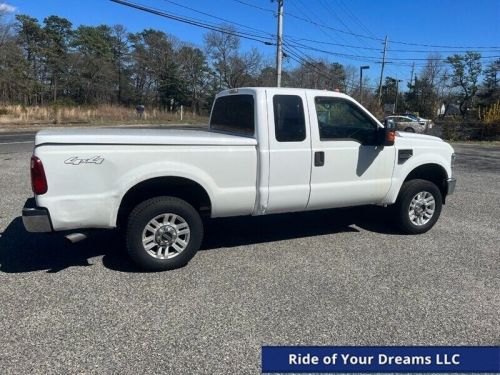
column 75, row 160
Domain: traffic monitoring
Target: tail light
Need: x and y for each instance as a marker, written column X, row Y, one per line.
column 38, row 179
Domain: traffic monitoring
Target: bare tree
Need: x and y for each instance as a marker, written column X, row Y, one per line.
column 222, row 48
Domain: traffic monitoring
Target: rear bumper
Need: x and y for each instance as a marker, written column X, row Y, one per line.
column 450, row 185
column 36, row 219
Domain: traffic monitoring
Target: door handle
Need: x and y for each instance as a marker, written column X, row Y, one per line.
column 319, row 158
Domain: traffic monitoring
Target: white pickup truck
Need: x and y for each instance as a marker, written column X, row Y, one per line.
column 267, row 151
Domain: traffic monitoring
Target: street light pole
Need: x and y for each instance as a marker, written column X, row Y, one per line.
column 361, row 68
column 397, row 94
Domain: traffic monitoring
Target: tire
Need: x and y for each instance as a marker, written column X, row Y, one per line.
column 418, row 206
column 172, row 231
column 410, row 130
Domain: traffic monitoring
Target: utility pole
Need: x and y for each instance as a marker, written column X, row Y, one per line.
column 361, row 68
column 279, row 43
column 412, row 71
column 382, row 72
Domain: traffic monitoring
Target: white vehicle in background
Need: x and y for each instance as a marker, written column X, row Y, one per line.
column 410, row 124
column 421, row 120
column 267, row 151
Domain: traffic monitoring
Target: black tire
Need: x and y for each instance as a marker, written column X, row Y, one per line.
column 410, row 130
column 148, row 210
column 402, row 207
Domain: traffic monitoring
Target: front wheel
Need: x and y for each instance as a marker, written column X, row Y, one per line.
column 163, row 233
column 418, row 206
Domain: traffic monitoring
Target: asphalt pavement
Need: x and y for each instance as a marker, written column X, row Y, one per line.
column 13, row 142
column 335, row 277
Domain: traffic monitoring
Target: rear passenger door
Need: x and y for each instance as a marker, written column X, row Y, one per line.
column 289, row 151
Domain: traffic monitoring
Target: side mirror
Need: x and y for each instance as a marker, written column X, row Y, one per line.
column 389, row 124
column 387, row 134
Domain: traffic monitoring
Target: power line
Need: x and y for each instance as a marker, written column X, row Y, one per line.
column 347, row 11
column 367, row 36
column 374, row 59
column 193, row 22
column 260, row 38
column 256, row 6
column 217, row 17
column 298, row 57
column 355, row 57
column 306, row 10
column 334, row 13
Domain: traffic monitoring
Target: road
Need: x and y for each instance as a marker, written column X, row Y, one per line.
column 13, row 142
column 335, row 277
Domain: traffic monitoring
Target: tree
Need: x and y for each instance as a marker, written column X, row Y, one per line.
column 57, row 39
column 465, row 74
column 5, row 26
column 389, row 90
column 424, row 94
column 155, row 71
column 267, row 76
column 222, row 48
column 30, row 38
column 319, row 74
column 194, row 68
column 11, row 61
column 121, row 60
column 490, row 92
column 93, row 64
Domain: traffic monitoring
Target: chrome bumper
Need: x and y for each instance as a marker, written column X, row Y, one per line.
column 450, row 184
column 36, row 219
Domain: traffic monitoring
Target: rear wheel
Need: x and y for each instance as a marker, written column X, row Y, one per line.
column 418, row 206
column 163, row 233
column 410, row 130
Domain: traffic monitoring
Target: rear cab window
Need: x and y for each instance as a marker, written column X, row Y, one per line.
column 234, row 114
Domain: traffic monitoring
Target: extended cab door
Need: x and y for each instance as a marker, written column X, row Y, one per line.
column 289, row 151
column 347, row 168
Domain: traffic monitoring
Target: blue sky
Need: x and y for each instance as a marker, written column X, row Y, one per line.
column 455, row 23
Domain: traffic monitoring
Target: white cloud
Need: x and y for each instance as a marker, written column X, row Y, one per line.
column 6, row 8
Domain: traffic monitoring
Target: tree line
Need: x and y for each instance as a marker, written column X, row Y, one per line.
column 454, row 82
column 53, row 63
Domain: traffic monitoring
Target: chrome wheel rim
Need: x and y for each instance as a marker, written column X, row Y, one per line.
column 166, row 236
column 422, row 208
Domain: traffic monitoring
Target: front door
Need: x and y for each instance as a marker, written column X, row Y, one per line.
column 348, row 167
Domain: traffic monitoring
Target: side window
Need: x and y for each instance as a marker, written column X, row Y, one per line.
column 289, row 121
column 341, row 119
column 234, row 114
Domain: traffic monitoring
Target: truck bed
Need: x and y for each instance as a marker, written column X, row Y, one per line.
column 140, row 136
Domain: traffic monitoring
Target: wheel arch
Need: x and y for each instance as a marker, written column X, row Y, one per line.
column 175, row 186
column 432, row 172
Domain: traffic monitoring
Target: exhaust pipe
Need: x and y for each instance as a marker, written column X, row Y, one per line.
column 76, row 237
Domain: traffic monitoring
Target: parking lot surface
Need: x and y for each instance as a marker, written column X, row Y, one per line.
column 336, row 277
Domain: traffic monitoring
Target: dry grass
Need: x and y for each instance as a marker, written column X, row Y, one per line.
column 103, row 114
column 490, row 114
